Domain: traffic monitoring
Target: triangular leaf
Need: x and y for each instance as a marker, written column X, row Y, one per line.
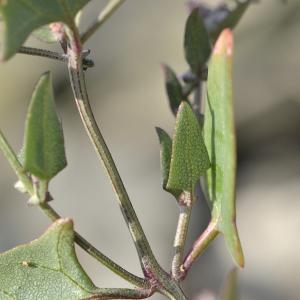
column 165, row 159
column 46, row 268
column 219, row 135
column 189, row 155
column 173, row 88
column 196, row 42
column 21, row 18
column 44, row 152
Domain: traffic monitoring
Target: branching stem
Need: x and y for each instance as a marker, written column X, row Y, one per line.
column 105, row 14
column 160, row 279
column 53, row 215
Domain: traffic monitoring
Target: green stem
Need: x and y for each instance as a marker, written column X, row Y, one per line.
column 121, row 293
column 84, row 244
column 159, row 278
column 82, row 101
column 53, row 215
column 105, row 14
column 209, row 234
column 15, row 164
column 186, row 203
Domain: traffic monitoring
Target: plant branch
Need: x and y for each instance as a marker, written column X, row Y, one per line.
column 186, row 203
column 15, row 164
column 158, row 277
column 77, row 79
column 105, row 14
column 199, row 246
column 53, row 215
column 87, row 63
column 84, row 244
column 121, row 293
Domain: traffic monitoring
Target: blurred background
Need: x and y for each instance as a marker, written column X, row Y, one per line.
column 127, row 94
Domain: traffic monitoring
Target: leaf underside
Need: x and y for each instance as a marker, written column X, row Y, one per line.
column 46, row 268
column 22, row 17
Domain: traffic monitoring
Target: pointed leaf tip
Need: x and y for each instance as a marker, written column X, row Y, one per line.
column 196, row 42
column 189, row 155
column 224, row 43
column 44, row 152
column 173, row 88
column 46, row 268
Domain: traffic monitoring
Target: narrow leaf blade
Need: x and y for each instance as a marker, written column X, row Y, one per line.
column 46, row 268
column 196, row 42
column 44, row 152
column 21, row 18
column 219, row 135
column 173, row 88
column 165, row 159
column 189, row 158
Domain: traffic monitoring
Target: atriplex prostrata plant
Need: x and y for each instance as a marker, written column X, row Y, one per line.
column 202, row 145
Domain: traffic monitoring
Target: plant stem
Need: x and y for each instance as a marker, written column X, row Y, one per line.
column 43, row 53
column 53, row 215
column 84, row 244
column 82, row 101
column 186, row 203
column 158, row 277
column 108, row 10
column 200, row 245
column 121, row 293
column 15, row 164
column 87, row 63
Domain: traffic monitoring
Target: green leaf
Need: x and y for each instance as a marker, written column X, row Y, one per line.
column 189, row 158
column 173, row 88
column 45, row 34
column 21, row 18
column 219, row 135
column 46, row 268
column 232, row 19
column 44, row 152
column 196, row 42
column 165, row 159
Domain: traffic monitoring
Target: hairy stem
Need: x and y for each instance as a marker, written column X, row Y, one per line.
column 121, row 293
column 53, row 215
column 185, row 203
column 105, row 14
column 200, row 245
column 43, row 53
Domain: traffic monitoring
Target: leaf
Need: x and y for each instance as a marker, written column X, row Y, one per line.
column 45, row 34
column 189, row 158
column 165, row 159
column 173, row 88
column 229, row 291
column 219, row 135
column 21, row 18
column 196, row 42
column 231, row 20
column 44, row 152
column 46, row 268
